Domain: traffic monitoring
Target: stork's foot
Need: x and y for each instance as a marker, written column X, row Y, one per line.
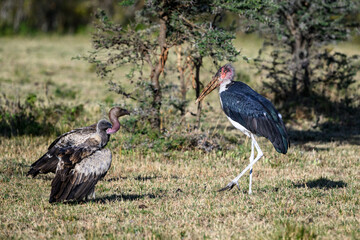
column 230, row 186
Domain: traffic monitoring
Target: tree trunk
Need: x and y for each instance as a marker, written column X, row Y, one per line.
column 198, row 63
column 294, row 84
column 155, row 119
column 306, row 79
column 295, row 51
column 181, row 71
column 300, row 51
column 305, row 64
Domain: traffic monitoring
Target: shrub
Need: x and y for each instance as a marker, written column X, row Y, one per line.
column 31, row 117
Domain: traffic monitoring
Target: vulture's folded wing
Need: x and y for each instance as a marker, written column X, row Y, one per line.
column 48, row 162
column 78, row 172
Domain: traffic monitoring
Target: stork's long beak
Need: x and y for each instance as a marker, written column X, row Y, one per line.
column 209, row 88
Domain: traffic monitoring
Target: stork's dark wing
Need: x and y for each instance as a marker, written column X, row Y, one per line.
column 48, row 162
column 78, row 172
column 255, row 113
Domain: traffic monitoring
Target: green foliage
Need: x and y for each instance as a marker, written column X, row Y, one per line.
column 318, row 21
column 33, row 16
column 243, row 76
column 116, row 46
column 331, row 74
column 217, row 44
column 62, row 92
column 250, row 9
column 299, row 73
column 126, row 2
column 31, row 117
column 334, row 74
column 144, row 45
column 143, row 137
column 31, row 100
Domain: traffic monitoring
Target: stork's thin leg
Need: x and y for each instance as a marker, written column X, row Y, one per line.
column 235, row 180
column 251, row 159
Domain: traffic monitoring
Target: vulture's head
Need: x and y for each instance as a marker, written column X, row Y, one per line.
column 114, row 115
column 103, row 125
column 118, row 112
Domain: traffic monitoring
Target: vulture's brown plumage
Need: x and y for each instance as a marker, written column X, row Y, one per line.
column 80, row 167
column 79, row 159
column 48, row 162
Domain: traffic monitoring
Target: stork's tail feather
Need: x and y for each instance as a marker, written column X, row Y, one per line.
column 282, row 142
column 45, row 164
column 283, row 147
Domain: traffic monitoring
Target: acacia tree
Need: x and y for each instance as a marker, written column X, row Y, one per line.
column 115, row 46
column 159, row 25
column 296, row 30
column 204, row 39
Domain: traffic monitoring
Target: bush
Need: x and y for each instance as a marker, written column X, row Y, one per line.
column 31, row 117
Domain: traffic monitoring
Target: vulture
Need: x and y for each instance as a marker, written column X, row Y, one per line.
column 80, row 159
column 49, row 161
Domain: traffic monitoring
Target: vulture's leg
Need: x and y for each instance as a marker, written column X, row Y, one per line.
column 91, row 194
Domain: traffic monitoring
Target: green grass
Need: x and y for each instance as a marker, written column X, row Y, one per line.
column 310, row 193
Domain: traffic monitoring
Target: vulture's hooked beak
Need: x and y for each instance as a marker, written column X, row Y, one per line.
column 215, row 82
column 126, row 112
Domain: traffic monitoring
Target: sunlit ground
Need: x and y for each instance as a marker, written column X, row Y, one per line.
column 311, row 192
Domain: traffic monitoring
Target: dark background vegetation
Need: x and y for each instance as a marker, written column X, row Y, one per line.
column 312, row 86
column 31, row 17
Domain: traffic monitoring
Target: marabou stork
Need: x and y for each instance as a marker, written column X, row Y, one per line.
column 249, row 112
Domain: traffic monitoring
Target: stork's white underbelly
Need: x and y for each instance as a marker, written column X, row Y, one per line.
column 240, row 127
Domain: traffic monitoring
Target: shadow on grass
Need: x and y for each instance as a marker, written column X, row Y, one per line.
column 115, row 179
column 138, row 178
column 145, row 178
column 317, row 149
column 111, row 198
column 124, row 197
column 321, row 183
column 352, row 136
column 323, row 133
column 342, row 121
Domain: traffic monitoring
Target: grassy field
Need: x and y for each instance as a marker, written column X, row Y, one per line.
column 313, row 192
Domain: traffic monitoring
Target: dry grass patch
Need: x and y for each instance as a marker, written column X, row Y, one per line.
column 311, row 192
column 304, row 194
